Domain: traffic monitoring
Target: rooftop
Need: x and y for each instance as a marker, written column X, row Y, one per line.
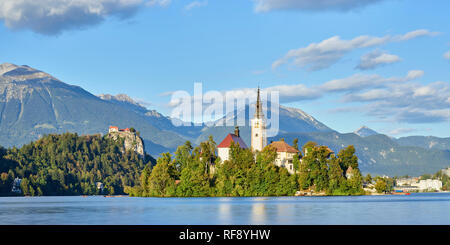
column 226, row 143
column 282, row 146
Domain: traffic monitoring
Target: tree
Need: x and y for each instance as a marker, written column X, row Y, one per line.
column 355, row 182
column 348, row 158
column 381, row 185
column 368, row 179
column 309, row 146
column 295, row 143
column 304, row 179
column 335, row 175
column 194, row 179
column 161, row 183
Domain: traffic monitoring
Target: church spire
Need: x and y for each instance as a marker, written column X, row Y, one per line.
column 258, row 111
column 258, row 123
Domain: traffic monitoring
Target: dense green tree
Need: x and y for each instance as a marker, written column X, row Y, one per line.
column 161, row 182
column 348, row 158
column 368, row 179
column 381, row 185
column 335, row 176
column 354, row 183
column 310, row 145
column 194, row 179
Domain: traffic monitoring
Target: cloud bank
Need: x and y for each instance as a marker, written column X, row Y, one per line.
column 311, row 5
column 390, row 99
column 51, row 17
column 318, row 56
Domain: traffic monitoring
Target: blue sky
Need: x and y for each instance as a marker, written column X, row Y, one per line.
column 380, row 63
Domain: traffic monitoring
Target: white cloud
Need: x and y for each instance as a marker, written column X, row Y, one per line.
column 51, row 17
column 414, row 74
column 162, row 3
column 407, row 102
column 317, row 56
column 359, row 82
column 195, row 4
column 447, row 55
column 391, row 99
column 376, row 58
column 297, row 92
column 414, row 34
column 310, row 5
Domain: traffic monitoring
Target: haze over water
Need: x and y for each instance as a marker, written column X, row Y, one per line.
column 423, row 208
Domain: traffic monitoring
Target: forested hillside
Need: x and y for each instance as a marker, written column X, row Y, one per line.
column 69, row 164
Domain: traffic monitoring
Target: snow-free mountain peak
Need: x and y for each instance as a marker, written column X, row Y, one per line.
column 364, row 131
column 15, row 73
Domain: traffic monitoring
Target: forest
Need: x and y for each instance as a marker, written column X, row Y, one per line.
column 68, row 164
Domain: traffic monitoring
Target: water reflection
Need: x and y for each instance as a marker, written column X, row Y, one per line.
column 258, row 214
column 414, row 209
column 224, row 212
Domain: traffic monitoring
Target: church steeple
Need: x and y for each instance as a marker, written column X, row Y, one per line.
column 258, row 124
column 258, row 111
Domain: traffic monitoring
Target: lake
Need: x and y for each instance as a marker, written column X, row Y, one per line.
column 420, row 208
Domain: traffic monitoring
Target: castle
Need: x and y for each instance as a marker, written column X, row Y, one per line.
column 285, row 152
column 132, row 141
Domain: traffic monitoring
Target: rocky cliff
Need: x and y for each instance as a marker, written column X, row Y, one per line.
column 132, row 141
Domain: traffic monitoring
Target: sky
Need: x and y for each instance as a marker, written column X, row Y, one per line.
column 380, row 63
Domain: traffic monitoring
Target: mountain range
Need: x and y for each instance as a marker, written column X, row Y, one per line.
column 34, row 103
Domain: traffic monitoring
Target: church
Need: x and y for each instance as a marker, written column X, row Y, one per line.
column 285, row 152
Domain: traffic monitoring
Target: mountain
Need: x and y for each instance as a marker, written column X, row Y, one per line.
column 291, row 120
column 427, row 142
column 153, row 117
column 379, row 154
column 365, row 131
column 34, row 103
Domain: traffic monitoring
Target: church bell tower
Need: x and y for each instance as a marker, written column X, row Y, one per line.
column 258, row 123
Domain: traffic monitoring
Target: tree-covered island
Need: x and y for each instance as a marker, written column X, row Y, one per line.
column 199, row 172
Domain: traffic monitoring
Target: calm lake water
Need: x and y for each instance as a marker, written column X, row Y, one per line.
column 423, row 208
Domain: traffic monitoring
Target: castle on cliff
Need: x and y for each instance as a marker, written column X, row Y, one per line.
column 132, row 141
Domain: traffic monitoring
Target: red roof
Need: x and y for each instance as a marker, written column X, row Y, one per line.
column 226, row 143
column 113, row 127
column 282, row 146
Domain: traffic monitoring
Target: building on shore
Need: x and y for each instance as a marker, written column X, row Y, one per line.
column 16, row 186
column 349, row 172
column 429, row 185
column 414, row 184
column 285, row 155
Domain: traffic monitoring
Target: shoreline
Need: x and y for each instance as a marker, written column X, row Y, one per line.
column 313, row 195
